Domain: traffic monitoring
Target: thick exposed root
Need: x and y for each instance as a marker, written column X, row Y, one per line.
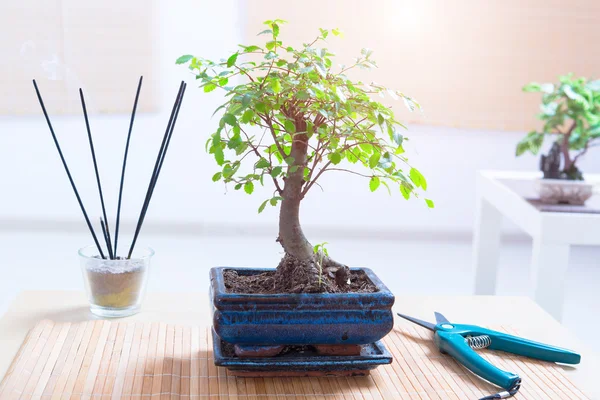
column 318, row 274
column 298, row 276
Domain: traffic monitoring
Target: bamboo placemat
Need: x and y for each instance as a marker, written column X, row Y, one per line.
column 121, row 360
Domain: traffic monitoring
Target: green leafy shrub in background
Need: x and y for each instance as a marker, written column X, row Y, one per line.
column 570, row 111
column 296, row 116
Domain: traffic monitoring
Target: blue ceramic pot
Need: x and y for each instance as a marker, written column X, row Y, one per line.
column 299, row 319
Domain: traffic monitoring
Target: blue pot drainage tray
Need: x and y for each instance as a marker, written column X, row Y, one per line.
column 300, row 361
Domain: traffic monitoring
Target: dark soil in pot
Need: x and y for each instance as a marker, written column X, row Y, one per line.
column 274, row 282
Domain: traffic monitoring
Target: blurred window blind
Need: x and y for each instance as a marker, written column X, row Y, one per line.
column 465, row 61
column 101, row 46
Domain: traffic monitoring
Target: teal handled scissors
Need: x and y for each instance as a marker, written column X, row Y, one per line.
column 460, row 341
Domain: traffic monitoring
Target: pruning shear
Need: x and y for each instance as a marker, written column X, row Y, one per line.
column 460, row 341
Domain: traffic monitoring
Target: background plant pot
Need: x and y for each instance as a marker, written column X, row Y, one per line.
column 299, row 319
column 555, row 191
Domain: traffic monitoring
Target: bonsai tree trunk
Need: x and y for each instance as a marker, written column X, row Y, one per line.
column 570, row 170
column 565, row 149
column 301, row 268
column 291, row 236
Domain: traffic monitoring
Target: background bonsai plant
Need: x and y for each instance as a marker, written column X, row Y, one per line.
column 295, row 117
column 571, row 115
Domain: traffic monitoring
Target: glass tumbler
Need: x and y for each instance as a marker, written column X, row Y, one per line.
column 115, row 288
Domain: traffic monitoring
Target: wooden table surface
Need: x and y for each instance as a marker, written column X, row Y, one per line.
column 188, row 308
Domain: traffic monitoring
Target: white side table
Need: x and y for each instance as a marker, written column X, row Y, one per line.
column 552, row 232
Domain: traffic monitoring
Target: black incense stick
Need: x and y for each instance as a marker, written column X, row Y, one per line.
column 87, row 220
column 162, row 155
column 105, row 234
column 137, row 95
column 89, row 132
column 158, row 164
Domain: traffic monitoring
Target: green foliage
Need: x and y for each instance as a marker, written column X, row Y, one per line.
column 320, row 251
column 277, row 95
column 570, row 111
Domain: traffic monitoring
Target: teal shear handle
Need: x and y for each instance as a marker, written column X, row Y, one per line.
column 453, row 340
column 460, row 341
column 455, row 345
column 524, row 347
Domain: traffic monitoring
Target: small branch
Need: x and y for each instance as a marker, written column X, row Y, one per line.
column 245, row 73
column 565, row 147
column 312, row 182
column 262, row 84
column 588, row 146
column 352, row 172
column 269, row 122
column 347, row 147
column 255, row 150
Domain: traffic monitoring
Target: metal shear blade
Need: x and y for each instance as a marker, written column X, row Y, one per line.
column 419, row 322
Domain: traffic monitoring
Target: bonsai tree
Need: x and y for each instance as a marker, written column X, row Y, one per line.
column 571, row 115
column 294, row 117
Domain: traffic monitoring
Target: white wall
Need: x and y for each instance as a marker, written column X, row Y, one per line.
column 34, row 188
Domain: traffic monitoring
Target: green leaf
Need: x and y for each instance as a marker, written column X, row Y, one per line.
column 374, row 160
column 262, row 206
column 229, row 119
column 247, row 116
column 223, row 81
column 572, row 94
column 249, row 187
column 250, row 49
column 261, row 107
column 275, row 172
column 228, row 171
column 392, row 94
column 340, row 94
column 429, row 203
column 184, row 59
column 274, row 200
column 246, row 99
column 532, row 143
column 276, row 85
column 241, row 148
column 374, row 183
column 234, row 142
column 290, row 127
column 219, row 156
column 532, row 87
column 266, row 31
column 275, row 29
column 417, row 178
column 232, row 60
column 335, row 158
column 217, row 176
column 302, row 95
column 262, row 163
column 209, row 87
column 522, row 147
column 387, row 187
column 405, row 190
